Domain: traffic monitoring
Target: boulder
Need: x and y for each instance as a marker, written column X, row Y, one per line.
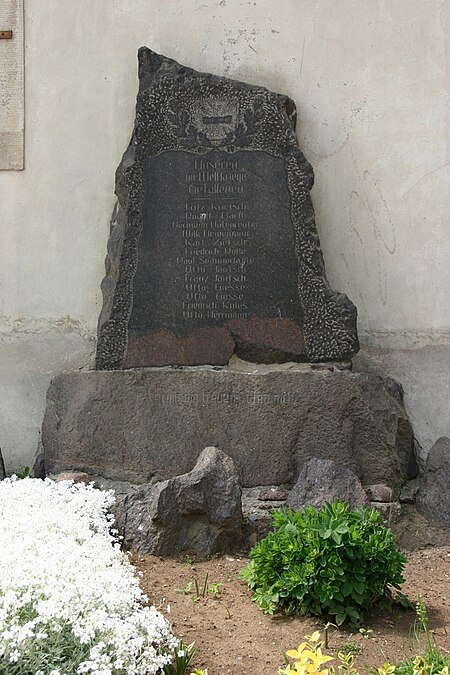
column 433, row 497
column 324, row 480
column 199, row 511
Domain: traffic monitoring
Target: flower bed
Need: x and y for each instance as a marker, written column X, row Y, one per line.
column 69, row 599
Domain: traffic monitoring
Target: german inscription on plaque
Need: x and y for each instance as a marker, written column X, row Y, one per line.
column 213, row 248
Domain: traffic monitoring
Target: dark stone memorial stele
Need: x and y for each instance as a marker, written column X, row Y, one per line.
column 213, row 247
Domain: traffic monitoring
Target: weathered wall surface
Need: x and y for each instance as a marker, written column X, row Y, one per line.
column 370, row 84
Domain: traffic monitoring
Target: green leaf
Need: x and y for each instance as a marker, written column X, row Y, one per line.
column 346, row 587
column 336, row 537
column 358, row 586
column 291, row 530
column 340, row 618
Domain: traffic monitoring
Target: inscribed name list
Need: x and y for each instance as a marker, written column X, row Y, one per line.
column 217, row 242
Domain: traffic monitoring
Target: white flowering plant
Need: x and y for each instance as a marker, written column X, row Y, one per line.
column 70, row 602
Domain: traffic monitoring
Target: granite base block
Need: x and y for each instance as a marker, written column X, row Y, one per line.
column 146, row 424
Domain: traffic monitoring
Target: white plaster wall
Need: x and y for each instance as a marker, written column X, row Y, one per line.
column 371, row 88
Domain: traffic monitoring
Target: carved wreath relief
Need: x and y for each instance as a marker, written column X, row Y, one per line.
column 215, row 124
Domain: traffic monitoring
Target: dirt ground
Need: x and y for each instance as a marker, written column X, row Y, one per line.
column 233, row 636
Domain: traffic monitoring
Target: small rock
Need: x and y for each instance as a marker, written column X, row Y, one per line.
column 323, row 480
column 379, row 492
column 39, row 466
column 257, row 512
column 76, row 476
column 389, row 511
column 409, row 491
column 433, row 497
column 252, row 539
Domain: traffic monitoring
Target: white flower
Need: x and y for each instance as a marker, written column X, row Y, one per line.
column 14, row 656
column 61, row 569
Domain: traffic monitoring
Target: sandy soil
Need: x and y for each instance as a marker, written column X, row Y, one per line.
column 233, row 636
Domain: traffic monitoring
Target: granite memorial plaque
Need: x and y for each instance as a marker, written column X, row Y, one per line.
column 213, row 247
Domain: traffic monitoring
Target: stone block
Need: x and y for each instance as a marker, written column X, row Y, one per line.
column 139, row 425
column 379, row 492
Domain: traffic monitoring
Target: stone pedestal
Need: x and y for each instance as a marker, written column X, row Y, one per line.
column 144, row 424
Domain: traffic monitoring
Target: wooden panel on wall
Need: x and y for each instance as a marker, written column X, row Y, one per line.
column 11, row 85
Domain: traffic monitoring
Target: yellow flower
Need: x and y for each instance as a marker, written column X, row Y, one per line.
column 318, row 658
column 297, row 653
column 420, row 666
column 315, row 637
column 386, row 669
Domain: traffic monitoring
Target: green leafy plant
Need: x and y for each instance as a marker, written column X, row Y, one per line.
column 309, row 659
column 25, row 473
column 432, row 660
column 214, row 589
column 331, row 561
column 350, row 647
column 183, row 656
column 366, row 632
column 187, row 590
column 197, row 590
column 201, row 591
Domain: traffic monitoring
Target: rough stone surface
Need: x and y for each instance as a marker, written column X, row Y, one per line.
column 389, row 511
column 199, row 511
column 273, row 495
column 2, row 467
column 152, row 423
column 433, row 497
column 323, row 480
column 213, row 247
column 75, row 476
column 409, row 491
column 39, row 466
column 257, row 511
column 379, row 492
